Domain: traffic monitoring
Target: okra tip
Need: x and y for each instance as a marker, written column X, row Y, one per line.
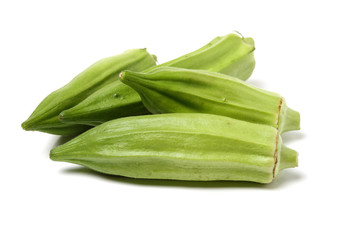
column 58, row 153
column 30, row 124
column 122, row 75
column 53, row 155
column 66, row 119
column 25, row 126
column 60, row 117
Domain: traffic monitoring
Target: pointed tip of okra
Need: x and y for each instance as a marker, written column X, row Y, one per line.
column 54, row 154
column 128, row 76
column 25, row 125
column 61, row 116
column 132, row 79
column 30, row 125
column 122, row 75
column 64, row 153
column 60, row 153
column 34, row 123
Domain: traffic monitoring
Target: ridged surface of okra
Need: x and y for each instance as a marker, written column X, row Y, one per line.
column 178, row 90
column 189, row 146
column 97, row 76
column 230, row 54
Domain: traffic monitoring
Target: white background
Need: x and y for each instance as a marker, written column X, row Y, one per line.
column 44, row 44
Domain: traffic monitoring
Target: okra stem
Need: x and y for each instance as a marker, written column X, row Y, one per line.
column 289, row 119
column 288, row 158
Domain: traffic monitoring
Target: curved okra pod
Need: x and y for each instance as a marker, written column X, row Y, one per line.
column 230, row 54
column 97, row 76
column 184, row 146
column 177, row 90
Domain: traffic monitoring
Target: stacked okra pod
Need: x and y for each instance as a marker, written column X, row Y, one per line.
column 207, row 123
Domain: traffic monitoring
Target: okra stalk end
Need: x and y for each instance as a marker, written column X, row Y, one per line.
column 288, row 158
column 289, row 119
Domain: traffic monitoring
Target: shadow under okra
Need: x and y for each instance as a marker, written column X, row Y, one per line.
column 283, row 179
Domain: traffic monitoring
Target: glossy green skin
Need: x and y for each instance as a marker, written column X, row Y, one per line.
column 97, row 76
column 199, row 147
column 229, row 54
column 178, row 90
column 115, row 101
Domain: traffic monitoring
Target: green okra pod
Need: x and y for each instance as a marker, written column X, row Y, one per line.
column 97, row 76
column 185, row 146
column 230, row 54
column 178, row 90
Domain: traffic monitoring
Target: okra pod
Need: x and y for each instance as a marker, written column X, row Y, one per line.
column 184, row 146
column 178, row 90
